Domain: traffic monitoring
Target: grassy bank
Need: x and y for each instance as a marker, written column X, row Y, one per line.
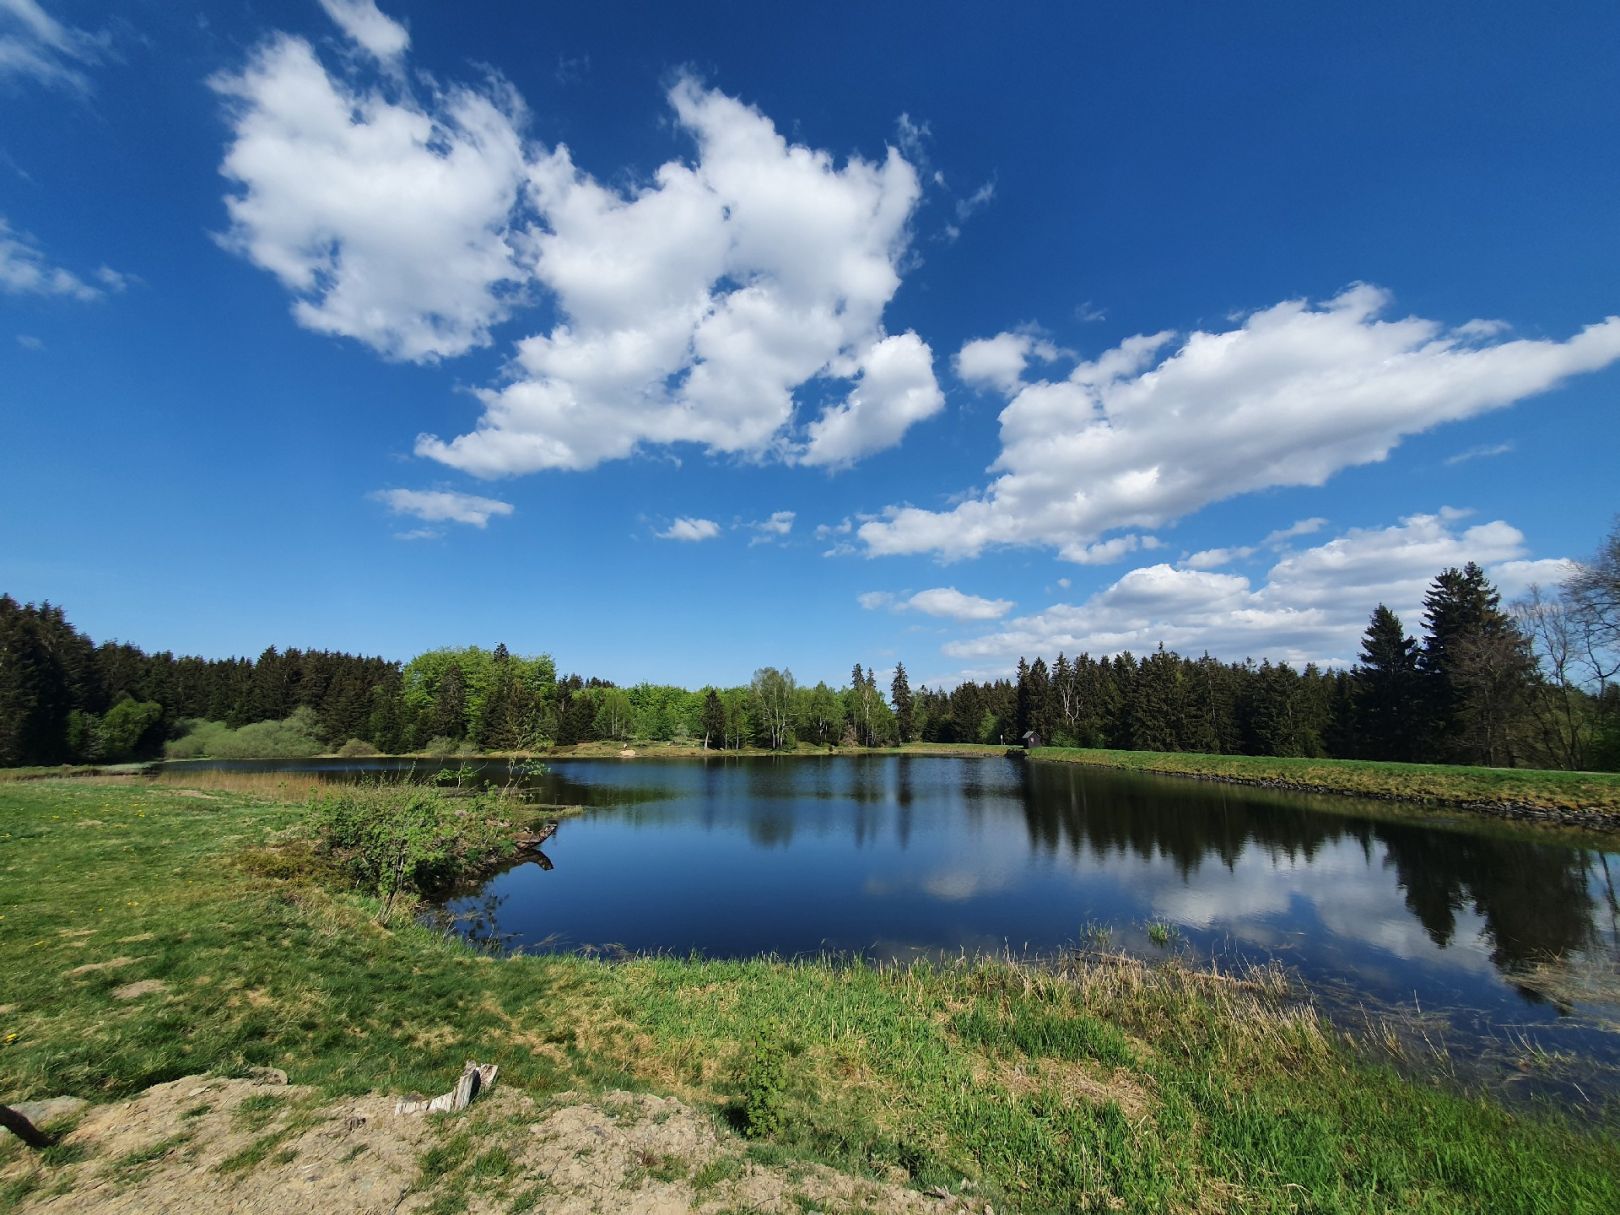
column 1440, row 783
column 139, row 947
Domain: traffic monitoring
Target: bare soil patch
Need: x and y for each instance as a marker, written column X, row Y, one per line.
column 208, row 1146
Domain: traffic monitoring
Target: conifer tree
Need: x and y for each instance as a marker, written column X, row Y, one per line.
column 1389, row 698
column 900, row 695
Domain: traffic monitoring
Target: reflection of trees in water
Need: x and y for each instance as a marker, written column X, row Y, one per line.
column 1533, row 898
column 1066, row 807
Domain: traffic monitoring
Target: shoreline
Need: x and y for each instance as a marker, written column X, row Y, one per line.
column 1370, row 780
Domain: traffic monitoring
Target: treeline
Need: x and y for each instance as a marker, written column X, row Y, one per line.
column 1530, row 687
column 1534, row 686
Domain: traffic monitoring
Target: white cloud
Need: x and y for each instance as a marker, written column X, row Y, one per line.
column 387, row 219
column 419, row 533
column 1305, row 527
column 25, row 270
column 29, row 342
column 1138, row 438
column 691, row 307
column 1214, row 558
column 779, row 525
column 696, row 306
column 1313, row 605
column 1514, row 578
column 841, row 528
column 377, row 33
column 999, row 362
column 1106, row 552
column 944, row 601
column 1482, row 452
column 690, row 529
column 896, row 390
column 441, row 506
column 949, row 602
column 34, row 45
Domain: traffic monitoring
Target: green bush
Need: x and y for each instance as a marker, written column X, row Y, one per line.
column 294, row 737
column 762, row 1080
column 408, row 840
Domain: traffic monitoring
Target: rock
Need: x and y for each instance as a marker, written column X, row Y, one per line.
column 267, row 1075
column 50, row 1109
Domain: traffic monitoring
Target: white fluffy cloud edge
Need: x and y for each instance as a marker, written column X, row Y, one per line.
column 1312, row 606
column 690, row 309
column 1138, row 438
column 441, row 506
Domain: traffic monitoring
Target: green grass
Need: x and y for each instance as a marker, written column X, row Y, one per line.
column 1102, row 1084
column 1408, row 782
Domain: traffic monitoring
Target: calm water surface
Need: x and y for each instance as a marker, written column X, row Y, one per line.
column 1505, row 940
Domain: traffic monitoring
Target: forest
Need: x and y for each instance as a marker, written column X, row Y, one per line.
column 1532, row 684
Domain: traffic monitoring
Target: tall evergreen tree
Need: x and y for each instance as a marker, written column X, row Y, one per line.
column 1389, row 691
column 1476, row 667
column 900, row 697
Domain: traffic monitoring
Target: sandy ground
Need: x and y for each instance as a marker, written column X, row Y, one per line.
column 205, row 1145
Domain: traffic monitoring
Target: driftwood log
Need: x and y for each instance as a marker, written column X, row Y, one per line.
column 25, row 1130
column 475, row 1078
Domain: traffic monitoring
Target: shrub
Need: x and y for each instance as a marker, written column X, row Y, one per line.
column 294, row 737
column 763, row 1083
column 394, row 840
column 357, row 748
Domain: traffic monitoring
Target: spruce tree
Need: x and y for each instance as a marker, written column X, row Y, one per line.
column 1476, row 666
column 900, row 695
column 1389, row 699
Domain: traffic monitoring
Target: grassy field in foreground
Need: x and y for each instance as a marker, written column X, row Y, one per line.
column 137, row 946
column 1410, row 782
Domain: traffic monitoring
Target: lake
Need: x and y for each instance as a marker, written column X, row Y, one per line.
column 1501, row 942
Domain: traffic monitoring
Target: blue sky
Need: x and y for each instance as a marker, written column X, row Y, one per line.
column 677, row 340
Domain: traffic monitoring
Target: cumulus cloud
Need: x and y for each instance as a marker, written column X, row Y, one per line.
column 695, row 307
column 998, row 362
column 324, row 168
column 1214, row 558
column 376, row 33
column 25, row 270
column 36, row 46
column 1106, row 552
column 896, row 390
column 1312, row 606
column 1304, row 527
column 441, row 506
column 1139, row 437
column 944, row 601
column 1514, row 578
column 690, row 307
column 690, row 529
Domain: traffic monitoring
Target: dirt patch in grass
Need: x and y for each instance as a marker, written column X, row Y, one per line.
column 209, row 1145
column 92, row 967
column 1088, row 1082
column 134, row 991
